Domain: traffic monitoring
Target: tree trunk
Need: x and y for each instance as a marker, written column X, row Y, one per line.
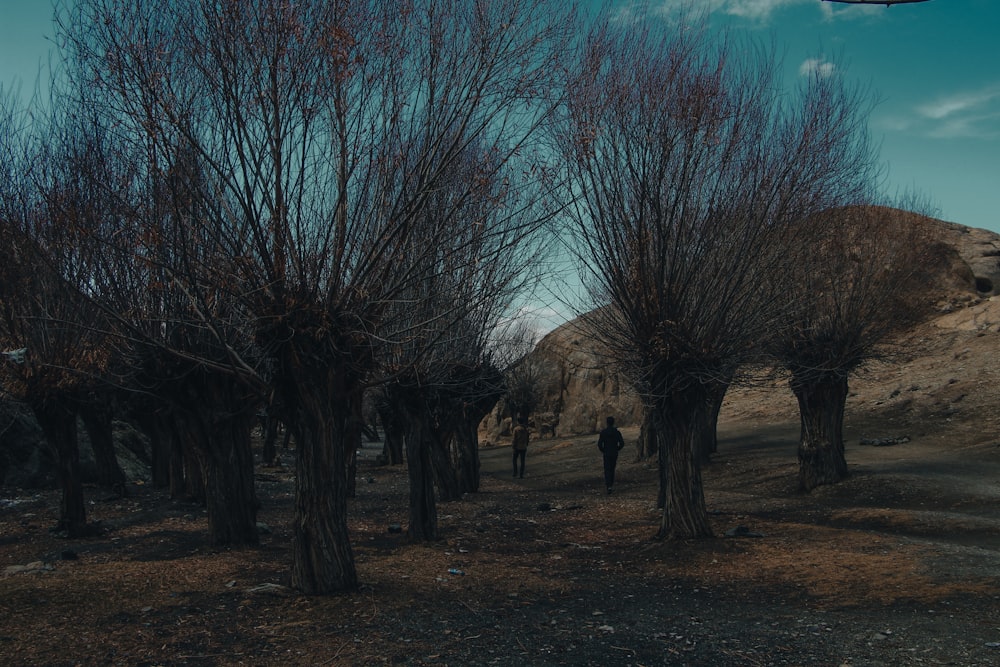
column 155, row 427
column 269, row 453
column 821, row 443
column 423, row 509
column 680, row 420
column 230, row 496
column 661, row 464
column 467, row 444
column 353, row 435
column 97, row 417
column 709, row 443
column 445, row 472
column 188, row 440
column 57, row 419
column 648, row 443
column 317, row 404
column 393, row 432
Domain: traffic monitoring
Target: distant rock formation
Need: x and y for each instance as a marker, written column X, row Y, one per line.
column 579, row 388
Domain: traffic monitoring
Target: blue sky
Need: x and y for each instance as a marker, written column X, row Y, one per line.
column 935, row 66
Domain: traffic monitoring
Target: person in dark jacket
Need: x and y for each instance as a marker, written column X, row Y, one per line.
column 519, row 444
column 610, row 443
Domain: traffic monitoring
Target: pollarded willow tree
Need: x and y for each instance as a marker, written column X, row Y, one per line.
column 319, row 130
column 689, row 161
column 862, row 275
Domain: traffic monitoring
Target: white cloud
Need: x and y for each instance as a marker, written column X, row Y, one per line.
column 960, row 103
column 755, row 10
column 759, row 11
column 816, row 66
column 969, row 114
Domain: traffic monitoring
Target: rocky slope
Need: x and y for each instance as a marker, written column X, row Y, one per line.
column 578, row 388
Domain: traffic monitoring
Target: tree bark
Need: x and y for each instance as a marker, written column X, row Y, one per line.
column 445, row 471
column 57, row 419
column 230, row 496
column 709, row 430
column 680, row 421
column 97, row 417
column 648, row 443
column 423, row 508
column 316, row 399
column 269, row 453
column 467, row 445
column 821, row 443
column 155, row 427
column 394, row 433
column 188, row 441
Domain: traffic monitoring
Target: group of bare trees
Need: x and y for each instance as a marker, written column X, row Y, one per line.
column 728, row 225
column 297, row 201
column 234, row 203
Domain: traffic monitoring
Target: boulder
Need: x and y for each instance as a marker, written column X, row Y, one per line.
column 26, row 461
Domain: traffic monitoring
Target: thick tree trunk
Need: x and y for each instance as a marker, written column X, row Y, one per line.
column 230, row 496
column 680, row 422
column 98, row 419
column 821, row 443
column 213, row 421
column 423, row 508
column 317, row 403
column 57, row 419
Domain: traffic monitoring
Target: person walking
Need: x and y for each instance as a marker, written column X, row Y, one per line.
column 519, row 443
column 610, row 443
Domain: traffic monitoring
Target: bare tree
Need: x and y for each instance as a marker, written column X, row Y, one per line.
column 47, row 266
column 860, row 277
column 688, row 163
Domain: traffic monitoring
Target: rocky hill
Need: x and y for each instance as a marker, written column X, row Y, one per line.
column 938, row 361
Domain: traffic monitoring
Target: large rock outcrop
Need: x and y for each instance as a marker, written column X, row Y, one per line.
column 979, row 248
column 577, row 387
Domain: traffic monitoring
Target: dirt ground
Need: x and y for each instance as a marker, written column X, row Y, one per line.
column 897, row 565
